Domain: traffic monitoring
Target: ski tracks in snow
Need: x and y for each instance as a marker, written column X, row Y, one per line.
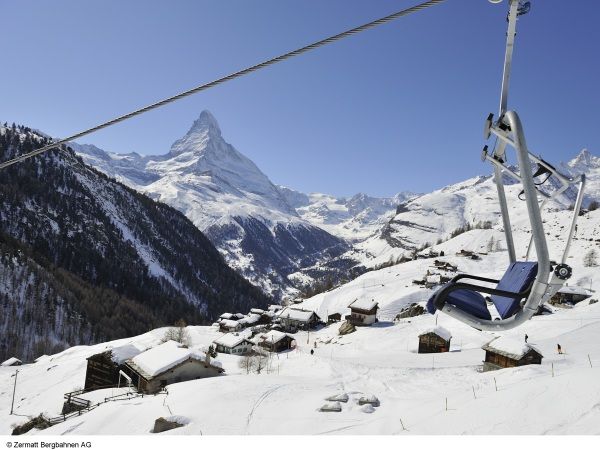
column 258, row 402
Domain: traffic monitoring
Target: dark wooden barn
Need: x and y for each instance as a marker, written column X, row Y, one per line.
column 505, row 352
column 103, row 368
column 275, row 341
column 435, row 340
column 335, row 317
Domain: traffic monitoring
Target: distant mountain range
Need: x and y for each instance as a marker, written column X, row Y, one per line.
column 278, row 238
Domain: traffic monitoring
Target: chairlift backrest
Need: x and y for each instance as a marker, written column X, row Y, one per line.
column 518, row 278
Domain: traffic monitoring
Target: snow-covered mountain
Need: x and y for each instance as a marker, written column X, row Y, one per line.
column 266, row 232
column 278, row 237
column 85, row 258
column 354, row 219
column 434, row 217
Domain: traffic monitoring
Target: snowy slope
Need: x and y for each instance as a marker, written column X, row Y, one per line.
column 561, row 396
column 379, row 361
column 433, row 217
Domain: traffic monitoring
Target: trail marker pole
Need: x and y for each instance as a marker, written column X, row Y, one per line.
column 14, row 390
column 590, row 360
column 402, row 423
column 446, row 403
column 474, row 396
column 552, row 370
column 495, row 384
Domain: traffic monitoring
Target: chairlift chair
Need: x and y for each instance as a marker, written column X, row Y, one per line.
column 526, row 284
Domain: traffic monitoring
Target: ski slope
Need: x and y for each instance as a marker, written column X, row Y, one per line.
column 560, row 396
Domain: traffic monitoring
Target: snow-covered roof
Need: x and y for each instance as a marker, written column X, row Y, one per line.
column 510, row 346
column 229, row 323
column 11, row 362
column 301, row 315
column 275, row 307
column 165, row 356
column 575, row 290
column 364, row 304
column 251, row 319
column 125, row 352
column 231, row 339
column 440, row 331
column 257, row 311
column 273, row 336
column 226, row 316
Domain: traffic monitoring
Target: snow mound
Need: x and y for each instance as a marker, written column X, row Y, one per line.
column 331, row 407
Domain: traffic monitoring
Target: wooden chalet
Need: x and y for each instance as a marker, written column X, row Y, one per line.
column 363, row 312
column 229, row 325
column 505, row 352
column 294, row 319
column 103, row 368
column 570, row 295
column 169, row 363
column 233, row 344
column 275, row 341
column 434, row 340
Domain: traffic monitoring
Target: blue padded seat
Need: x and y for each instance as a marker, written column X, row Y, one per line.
column 517, row 278
column 469, row 301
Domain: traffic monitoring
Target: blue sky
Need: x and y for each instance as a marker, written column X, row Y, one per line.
column 399, row 107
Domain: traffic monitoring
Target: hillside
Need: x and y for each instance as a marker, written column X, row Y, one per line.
column 87, row 259
column 419, row 393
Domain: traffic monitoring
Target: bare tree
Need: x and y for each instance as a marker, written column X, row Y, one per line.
column 177, row 333
column 254, row 363
column 591, row 258
column 490, row 245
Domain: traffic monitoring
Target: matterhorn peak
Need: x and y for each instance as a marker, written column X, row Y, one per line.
column 204, row 130
column 584, row 162
column 206, row 122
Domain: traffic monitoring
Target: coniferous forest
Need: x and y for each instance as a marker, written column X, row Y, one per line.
column 84, row 258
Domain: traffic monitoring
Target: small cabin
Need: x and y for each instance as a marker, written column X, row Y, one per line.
column 229, row 325
column 434, row 340
column 275, row 341
column 294, row 319
column 250, row 320
column 103, row 368
column 335, row 317
column 11, row 362
column 170, row 363
column 233, row 344
column 363, row 312
column 570, row 295
column 505, row 352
